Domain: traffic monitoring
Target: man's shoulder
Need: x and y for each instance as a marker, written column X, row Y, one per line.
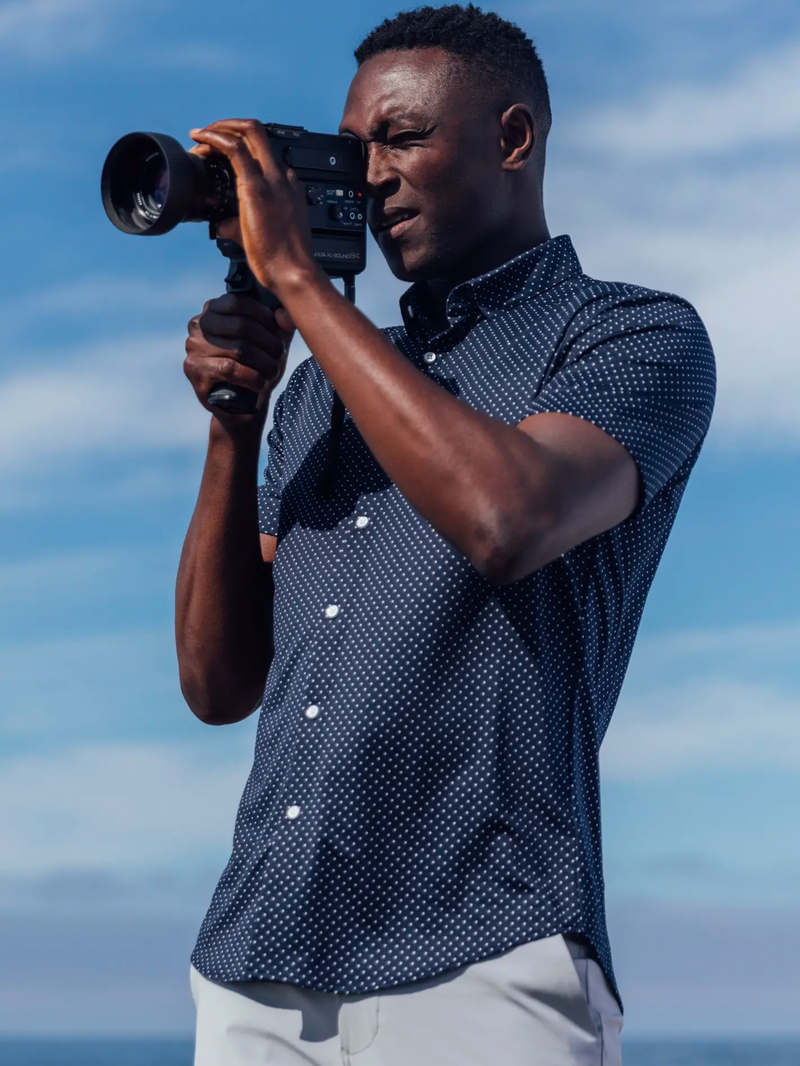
column 597, row 299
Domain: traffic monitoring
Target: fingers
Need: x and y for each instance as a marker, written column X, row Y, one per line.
column 246, row 145
column 235, row 328
column 275, row 321
column 233, row 148
column 210, row 359
column 205, row 345
column 254, row 136
column 237, row 340
column 205, row 369
column 233, row 303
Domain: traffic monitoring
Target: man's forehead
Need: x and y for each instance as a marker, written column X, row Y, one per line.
column 392, row 86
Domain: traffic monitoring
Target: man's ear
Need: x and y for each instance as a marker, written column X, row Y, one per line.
column 518, row 136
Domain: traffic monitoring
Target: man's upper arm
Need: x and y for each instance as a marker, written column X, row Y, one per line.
column 594, row 481
column 627, row 409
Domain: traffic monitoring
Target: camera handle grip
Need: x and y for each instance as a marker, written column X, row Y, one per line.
column 234, row 399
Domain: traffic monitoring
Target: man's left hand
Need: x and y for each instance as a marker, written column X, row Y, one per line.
column 273, row 225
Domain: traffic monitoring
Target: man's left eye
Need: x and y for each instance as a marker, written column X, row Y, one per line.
column 408, row 139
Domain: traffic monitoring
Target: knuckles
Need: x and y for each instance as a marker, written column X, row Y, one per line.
column 228, row 368
column 237, row 325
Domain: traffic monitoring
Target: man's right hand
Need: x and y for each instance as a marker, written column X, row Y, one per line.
column 238, row 341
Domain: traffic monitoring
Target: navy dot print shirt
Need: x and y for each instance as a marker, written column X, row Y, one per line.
column 425, row 792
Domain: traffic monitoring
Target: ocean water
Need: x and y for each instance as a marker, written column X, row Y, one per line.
column 76, row 1052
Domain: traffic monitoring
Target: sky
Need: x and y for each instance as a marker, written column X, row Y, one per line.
column 674, row 162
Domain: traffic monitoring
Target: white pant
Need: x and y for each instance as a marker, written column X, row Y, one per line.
column 542, row 1004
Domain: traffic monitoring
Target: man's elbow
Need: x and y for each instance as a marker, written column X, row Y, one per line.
column 514, row 547
column 219, row 708
column 502, row 566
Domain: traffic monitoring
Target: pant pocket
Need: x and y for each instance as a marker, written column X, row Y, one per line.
column 358, row 1022
column 605, row 1010
column 578, row 1007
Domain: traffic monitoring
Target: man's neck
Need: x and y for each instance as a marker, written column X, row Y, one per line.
column 484, row 259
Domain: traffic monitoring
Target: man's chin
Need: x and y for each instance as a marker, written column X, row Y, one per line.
column 412, row 264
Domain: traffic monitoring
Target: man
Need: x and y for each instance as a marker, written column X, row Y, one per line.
column 416, row 872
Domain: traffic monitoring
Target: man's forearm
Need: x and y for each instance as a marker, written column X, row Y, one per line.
column 224, row 588
column 471, row 476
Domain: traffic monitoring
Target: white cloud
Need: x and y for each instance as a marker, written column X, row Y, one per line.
column 712, row 724
column 125, row 395
column 706, row 970
column 757, row 104
column 727, row 241
column 124, row 806
column 100, row 685
column 764, row 644
column 723, row 699
column 117, row 397
column 210, row 59
column 46, row 29
column 89, row 298
column 70, row 574
column 744, row 286
column 668, row 192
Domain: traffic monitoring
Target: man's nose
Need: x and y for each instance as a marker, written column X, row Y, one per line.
column 382, row 178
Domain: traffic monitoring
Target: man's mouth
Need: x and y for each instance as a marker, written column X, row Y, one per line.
column 393, row 223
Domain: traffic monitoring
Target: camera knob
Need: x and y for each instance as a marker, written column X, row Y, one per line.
column 336, row 212
column 314, row 195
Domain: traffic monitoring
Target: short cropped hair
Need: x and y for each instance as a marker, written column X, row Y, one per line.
column 496, row 55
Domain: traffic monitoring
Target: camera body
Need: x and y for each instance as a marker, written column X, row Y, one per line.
column 150, row 184
column 333, row 171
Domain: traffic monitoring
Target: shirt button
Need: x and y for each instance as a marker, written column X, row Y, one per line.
column 362, row 522
column 292, row 813
column 312, row 711
column 331, row 610
column 429, row 357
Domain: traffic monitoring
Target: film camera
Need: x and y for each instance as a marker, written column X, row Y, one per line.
column 150, row 184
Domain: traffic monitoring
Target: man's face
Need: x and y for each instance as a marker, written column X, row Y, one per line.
column 435, row 176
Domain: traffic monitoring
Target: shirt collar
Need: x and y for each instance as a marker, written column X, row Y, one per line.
column 520, row 279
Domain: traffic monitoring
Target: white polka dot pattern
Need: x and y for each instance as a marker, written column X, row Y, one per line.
column 424, row 792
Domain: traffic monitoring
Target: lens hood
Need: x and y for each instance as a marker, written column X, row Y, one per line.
column 130, row 205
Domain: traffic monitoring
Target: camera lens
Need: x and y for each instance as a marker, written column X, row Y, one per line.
column 152, row 187
column 150, row 184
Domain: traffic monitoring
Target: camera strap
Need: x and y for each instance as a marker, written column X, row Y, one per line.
column 330, row 466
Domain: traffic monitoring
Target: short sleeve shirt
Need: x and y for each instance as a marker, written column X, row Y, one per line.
column 424, row 792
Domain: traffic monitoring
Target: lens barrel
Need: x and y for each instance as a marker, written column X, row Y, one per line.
column 150, row 184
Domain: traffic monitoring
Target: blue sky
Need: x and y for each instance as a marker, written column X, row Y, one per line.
column 674, row 162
